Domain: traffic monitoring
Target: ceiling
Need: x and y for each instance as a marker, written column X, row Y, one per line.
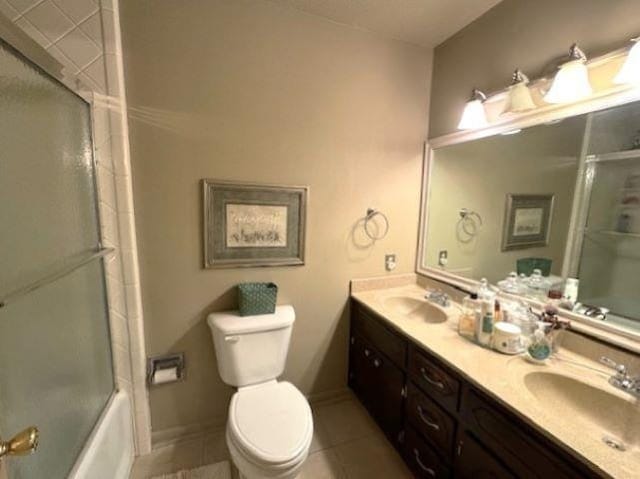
column 422, row 22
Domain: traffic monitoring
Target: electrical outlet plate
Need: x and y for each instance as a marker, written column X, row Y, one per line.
column 390, row 262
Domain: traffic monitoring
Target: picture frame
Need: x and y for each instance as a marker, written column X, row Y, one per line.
column 252, row 225
column 527, row 221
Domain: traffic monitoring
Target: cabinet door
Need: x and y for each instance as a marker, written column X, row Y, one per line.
column 371, row 328
column 473, row 461
column 378, row 383
column 527, row 454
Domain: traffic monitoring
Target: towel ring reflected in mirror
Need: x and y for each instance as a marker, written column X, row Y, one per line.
column 469, row 223
column 375, row 235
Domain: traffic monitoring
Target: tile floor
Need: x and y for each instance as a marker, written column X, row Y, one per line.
column 346, row 445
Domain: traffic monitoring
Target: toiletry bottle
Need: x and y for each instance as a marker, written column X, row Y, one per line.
column 484, row 328
column 497, row 313
column 469, row 316
column 483, row 290
column 570, row 291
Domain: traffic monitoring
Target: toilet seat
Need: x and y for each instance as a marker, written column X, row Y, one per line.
column 270, row 425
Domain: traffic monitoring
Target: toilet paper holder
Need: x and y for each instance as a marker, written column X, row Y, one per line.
column 164, row 369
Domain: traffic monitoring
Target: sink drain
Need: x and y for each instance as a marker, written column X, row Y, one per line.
column 614, row 443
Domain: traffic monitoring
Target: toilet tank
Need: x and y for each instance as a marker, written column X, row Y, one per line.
column 251, row 349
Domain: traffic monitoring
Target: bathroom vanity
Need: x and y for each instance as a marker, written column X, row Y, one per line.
column 454, row 409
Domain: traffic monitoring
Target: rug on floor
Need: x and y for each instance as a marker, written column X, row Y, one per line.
column 219, row 470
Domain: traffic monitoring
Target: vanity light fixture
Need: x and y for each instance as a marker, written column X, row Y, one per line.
column 519, row 97
column 474, row 115
column 571, row 83
column 630, row 71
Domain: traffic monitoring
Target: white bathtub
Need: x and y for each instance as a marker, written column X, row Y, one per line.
column 109, row 451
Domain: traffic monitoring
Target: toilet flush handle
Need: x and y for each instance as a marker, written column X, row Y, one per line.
column 232, row 339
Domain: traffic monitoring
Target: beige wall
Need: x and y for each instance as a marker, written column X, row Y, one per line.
column 527, row 34
column 479, row 174
column 247, row 91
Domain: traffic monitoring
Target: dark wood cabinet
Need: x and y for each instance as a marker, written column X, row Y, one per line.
column 475, row 462
column 422, row 459
column 433, row 378
column 443, row 425
column 433, row 422
column 379, row 384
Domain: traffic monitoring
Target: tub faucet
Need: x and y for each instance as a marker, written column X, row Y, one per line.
column 438, row 297
column 622, row 379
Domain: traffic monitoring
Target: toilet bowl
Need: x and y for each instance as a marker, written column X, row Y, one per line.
column 270, row 426
column 269, row 430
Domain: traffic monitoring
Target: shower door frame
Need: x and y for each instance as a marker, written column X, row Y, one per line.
column 23, row 47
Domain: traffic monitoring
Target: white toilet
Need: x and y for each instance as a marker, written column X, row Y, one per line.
column 270, row 426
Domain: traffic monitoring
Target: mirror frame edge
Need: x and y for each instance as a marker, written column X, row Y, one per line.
column 602, row 331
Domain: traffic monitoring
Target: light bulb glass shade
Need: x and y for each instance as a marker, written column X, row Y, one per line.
column 570, row 84
column 473, row 116
column 518, row 99
column 630, row 71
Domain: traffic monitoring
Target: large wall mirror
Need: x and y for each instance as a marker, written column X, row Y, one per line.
column 527, row 209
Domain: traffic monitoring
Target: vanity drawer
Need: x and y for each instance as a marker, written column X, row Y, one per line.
column 422, row 459
column 431, row 420
column 434, row 379
column 384, row 339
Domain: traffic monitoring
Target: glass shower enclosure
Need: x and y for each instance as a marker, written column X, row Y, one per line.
column 607, row 249
column 55, row 357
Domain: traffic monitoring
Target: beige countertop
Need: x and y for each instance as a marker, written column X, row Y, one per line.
column 576, row 419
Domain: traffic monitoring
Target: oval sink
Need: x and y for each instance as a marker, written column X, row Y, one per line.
column 415, row 309
column 595, row 407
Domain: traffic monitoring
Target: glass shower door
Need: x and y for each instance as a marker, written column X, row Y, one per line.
column 55, row 357
column 610, row 254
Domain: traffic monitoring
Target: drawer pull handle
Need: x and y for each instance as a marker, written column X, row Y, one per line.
column 426, row 420
column 426, row 469
column 433, row 382
column 377, row 363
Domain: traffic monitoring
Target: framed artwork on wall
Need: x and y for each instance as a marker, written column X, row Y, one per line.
column 247, row 225
column 527, row 221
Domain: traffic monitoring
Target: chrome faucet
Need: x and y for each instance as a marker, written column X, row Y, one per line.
column 438, row 297
column 621, row 379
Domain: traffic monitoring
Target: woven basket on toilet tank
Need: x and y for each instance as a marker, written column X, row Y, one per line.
column 257, row 298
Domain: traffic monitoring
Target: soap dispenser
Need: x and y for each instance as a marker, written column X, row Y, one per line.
column 539, row 348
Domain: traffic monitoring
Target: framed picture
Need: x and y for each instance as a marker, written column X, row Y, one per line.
column 249, row 225
column 527, row 221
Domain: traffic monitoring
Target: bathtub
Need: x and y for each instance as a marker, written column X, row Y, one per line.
column 109, row 451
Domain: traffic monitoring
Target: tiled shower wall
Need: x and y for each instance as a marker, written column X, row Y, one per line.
column 84, row 36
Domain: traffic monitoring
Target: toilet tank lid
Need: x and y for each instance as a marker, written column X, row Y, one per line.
column 230, row 322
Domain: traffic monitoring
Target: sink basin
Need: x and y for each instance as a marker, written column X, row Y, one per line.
column 413, row 308
column 594, row 407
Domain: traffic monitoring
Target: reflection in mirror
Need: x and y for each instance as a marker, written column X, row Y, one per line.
column 551, row 212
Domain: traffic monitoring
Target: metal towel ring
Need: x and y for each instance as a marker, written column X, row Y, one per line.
column 371, row 213
column 467, row 220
